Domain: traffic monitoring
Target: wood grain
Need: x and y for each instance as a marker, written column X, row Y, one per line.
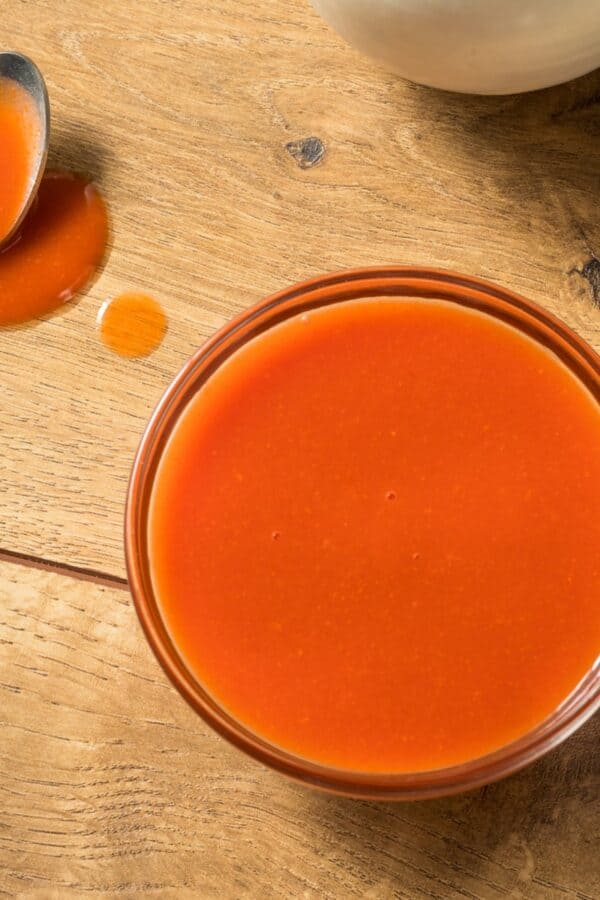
column 112, row 787
column 242, row 146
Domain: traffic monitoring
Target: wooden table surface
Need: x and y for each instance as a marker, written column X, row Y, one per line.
column 242, row 146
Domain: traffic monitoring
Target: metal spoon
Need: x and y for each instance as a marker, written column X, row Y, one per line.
column 21, row 69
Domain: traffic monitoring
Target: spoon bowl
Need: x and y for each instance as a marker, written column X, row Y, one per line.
column 24, row 72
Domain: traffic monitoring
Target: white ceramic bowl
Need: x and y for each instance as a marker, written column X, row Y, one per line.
column 474, row 46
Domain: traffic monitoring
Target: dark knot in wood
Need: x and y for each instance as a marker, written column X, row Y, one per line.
column 307, row 152
column 591, row 272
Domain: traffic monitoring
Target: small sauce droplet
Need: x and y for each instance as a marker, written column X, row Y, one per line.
column 391, row 495
column 20, row 144
column 57, row 251
column 276, row 535
column 132, row 324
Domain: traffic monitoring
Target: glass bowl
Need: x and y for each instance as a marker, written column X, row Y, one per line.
column 329, row 289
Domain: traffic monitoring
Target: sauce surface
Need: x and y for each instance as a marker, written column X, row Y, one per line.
column 132, row 324
column 19, row 147
column 375, row 534
column 57, row 251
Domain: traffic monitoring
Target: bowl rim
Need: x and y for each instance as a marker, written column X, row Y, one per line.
column 386, row 281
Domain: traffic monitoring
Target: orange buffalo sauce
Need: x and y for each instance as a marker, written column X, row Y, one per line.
column 375, row 534
column 132, row 324
column 62, row 240
column 58, row 249
column 19, row 147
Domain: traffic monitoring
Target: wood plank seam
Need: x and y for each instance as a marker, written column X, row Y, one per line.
column 60, row 568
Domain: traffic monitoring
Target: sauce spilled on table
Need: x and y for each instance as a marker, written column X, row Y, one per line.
column 375, row 534
column 132, row 324
column 57, row 251
column 20, row 140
